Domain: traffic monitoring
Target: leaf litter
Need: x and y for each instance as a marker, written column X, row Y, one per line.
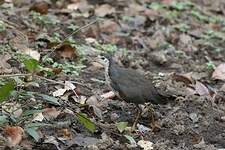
column 177, row 43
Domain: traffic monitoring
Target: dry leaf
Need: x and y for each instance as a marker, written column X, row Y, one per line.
column 14, row 135
column 81, row 5
column 109, row 26
column 51, row 113
column 38, row 117
column 59, row 92
column 94, row 103
column 66, row 51
column 104, row 10
column 219, row 72
column 201, row 89
column 34, row 54
column 40, row 7
column 146, row 145
column 66, row 133
column 69, row 85
column 108, row 95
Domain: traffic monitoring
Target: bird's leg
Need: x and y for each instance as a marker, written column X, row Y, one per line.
column 136, row 119
column 154, row 125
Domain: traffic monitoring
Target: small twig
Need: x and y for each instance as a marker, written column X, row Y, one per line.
column 67, row 37
column 14, row 75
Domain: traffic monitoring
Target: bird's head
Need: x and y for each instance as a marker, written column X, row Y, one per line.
column 104, row 60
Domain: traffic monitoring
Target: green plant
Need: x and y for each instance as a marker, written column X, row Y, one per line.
column 44, row 20
column 2, row 26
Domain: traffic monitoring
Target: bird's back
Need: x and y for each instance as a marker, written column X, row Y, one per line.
column 133, row 87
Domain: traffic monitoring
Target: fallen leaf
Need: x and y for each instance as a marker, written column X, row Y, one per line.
column 146, row 145
column 66, row 51
column 59, row 92
column 97, row 111
column 67, row 134
column 14, row 135
column 201, row 89
column 38, row 117
column 109, row 26
column 104, row 10
column 51, row 113
column 32, row 131
column 40, row 7
column 94, row 103
column 92, row 100
column 69, row 85
column 81, row 5
column 108, row 95
column 86, row 122
column 134, row 9
column 34, row 54
column 219, row 72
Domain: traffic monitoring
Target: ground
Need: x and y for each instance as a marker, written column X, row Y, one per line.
column 53, row 94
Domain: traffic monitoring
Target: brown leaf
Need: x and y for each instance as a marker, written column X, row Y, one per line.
column 219, row 72
column 66, row 51
column 14, row 135
column 104, row 10
column 201, row 89
column 94, row 103
column 109, row 26
column 57, row 70
column 66, row 133
column 40, row 7
column 51, row 113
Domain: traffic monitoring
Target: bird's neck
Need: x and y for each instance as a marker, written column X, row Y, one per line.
column 107, row 73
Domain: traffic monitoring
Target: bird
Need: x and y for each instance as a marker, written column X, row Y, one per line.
column 129, row 85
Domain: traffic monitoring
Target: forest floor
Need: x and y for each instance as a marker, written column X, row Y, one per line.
column 53, row 94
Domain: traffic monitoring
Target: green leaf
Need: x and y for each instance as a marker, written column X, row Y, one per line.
column 6, row 90
column 131, row 140
column 86, row 122
column 31, row 64
column 3, row 119
column 49, row 99
column 156, row 6
column 33, row 132
column 121, row 126
column 31, row 112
